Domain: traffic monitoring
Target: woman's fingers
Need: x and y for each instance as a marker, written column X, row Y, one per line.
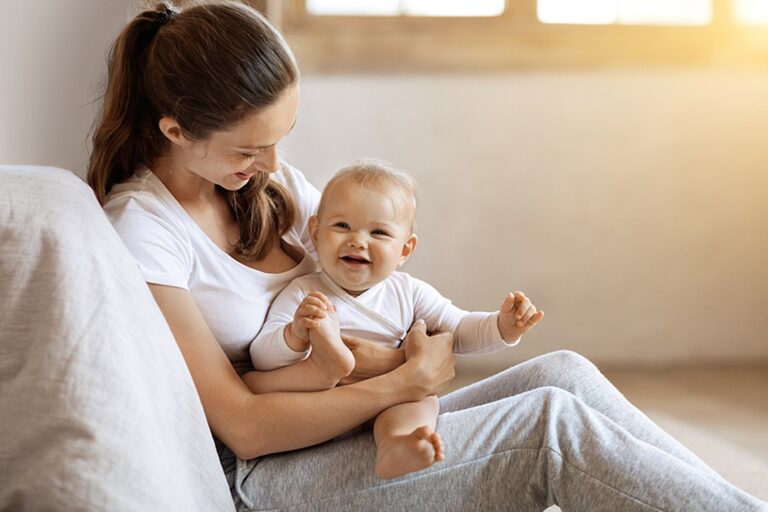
column 432, row 357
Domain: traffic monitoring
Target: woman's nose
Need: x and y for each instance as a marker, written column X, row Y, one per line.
column 268, row 160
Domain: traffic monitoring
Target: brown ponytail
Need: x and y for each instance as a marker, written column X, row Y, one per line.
column 207, row 67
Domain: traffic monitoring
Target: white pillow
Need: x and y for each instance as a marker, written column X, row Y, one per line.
column 97, row 408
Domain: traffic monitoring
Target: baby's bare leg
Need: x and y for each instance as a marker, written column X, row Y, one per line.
column 406, row 440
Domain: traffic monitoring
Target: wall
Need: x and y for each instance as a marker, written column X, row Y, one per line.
column 53, row 58
column 631, row 205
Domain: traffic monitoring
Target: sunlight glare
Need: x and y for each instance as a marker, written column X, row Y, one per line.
column 751, row 12
column 628, row 12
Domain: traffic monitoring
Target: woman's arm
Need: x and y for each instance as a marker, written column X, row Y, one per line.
column 258, row 424
column 301, row 376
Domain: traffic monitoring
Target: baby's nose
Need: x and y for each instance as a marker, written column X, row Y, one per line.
column 356, row 240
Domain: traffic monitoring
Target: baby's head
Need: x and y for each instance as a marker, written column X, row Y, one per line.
column 363, row 230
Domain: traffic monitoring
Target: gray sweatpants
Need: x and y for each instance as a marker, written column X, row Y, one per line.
column 549, row 431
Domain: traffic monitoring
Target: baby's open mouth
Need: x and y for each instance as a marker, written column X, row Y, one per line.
column 356, row 260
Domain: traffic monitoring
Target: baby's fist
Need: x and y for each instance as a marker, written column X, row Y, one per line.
column 517, row 316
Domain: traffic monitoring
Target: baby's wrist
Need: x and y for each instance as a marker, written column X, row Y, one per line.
column 293, row 341
column 507, row 334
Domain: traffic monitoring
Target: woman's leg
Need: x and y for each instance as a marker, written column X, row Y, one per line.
column 573, row 373
column 521, row 453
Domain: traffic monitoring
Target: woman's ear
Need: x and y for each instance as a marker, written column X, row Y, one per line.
column 313, row 225
column 408, row 247
column 172, row 131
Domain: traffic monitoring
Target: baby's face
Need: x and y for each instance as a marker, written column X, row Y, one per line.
column 361, row 237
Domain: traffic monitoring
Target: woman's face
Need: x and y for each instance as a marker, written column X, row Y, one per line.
column 230, row 158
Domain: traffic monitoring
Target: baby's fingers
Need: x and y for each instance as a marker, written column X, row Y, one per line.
column 323, row 299
column 310, row 310
column 534, row 319
column 315, row 301
column 508, row 304
column 307, row 323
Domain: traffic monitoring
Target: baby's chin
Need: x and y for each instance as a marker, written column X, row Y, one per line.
column 354, row 289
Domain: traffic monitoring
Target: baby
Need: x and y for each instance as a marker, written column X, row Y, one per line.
column 363, row 233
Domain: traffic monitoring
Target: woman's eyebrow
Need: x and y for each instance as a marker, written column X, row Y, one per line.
column 251, row 148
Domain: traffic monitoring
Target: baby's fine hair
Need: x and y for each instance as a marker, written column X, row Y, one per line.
column 371, row 173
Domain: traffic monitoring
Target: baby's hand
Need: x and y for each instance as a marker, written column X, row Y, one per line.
column 309, row 313
column 517, row 316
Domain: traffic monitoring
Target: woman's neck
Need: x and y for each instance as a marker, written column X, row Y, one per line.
column 185, row 186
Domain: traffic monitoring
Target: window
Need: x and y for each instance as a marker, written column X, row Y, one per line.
column 405, row 7
column 751, row 12
column 472, row 35
column 626, row 12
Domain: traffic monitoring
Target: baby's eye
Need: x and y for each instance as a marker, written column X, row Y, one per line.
column 379, row 232
column 342, row 225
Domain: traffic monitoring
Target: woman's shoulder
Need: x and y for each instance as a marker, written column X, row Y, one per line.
column 142, row 195
column 142, row 204
column 137, row 192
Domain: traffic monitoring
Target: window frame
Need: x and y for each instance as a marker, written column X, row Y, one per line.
column 514, row 40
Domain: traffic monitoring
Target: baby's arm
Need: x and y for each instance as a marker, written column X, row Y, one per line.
column 271, row 349
column 274, row 351
column 477, row 331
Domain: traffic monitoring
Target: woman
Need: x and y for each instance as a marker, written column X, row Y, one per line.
column 184, row 160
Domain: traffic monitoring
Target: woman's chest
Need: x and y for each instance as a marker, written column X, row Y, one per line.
column 220, row 227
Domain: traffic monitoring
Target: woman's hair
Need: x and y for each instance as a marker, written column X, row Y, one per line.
column 369, row 173
column 207, row 67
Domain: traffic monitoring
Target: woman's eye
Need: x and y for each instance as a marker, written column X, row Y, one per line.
column 247, row 156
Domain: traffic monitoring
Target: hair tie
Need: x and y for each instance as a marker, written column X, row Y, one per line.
column 166, row 15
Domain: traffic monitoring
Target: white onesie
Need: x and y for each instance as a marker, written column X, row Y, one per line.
column 383, row 313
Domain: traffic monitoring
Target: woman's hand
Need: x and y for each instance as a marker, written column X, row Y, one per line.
column 429, row 360
column 371, row 359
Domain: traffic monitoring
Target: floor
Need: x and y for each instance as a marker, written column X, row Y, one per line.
column 720, row 413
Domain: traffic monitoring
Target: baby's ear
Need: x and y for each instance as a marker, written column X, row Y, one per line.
column 408, row 247
column 313, row 226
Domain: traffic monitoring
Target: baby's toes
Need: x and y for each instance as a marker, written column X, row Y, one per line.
column 422, row 432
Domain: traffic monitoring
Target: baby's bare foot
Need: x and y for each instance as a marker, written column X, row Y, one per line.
column 330, row 355
column 400, row 455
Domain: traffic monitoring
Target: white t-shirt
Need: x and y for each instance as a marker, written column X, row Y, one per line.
column 384, row 313
column 171, row 249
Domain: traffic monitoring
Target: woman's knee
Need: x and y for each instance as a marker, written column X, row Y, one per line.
column 569, row 360
column 564, row 369
column 551, row 410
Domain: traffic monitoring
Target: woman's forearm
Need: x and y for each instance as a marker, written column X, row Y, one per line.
column 301, row 376
column 278, row 422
